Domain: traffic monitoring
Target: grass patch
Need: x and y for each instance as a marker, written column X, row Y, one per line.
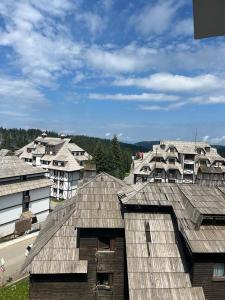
column 18, row 291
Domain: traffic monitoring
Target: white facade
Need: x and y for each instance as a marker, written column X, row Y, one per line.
column 24, row 196
column 177, row 161
column 11, row 208
column 63, row 160
column 64, row 183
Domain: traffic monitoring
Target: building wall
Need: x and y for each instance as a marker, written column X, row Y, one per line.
column 83, row 287
column 11, row 209
column 69, row 184
column 202, row 275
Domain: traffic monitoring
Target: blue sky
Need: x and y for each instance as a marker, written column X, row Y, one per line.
column 130, row 68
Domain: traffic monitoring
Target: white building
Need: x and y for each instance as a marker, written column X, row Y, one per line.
column 66, row 162
column 181, row 162
column 24, row 196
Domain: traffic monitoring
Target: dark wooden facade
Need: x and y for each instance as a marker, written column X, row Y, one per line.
column 101, row 262
column 202, row 275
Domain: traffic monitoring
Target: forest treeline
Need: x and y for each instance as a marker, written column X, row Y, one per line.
column 111, row 156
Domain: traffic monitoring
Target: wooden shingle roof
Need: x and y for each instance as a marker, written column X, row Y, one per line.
column 96, row 205
column 155, row 266
column 192, row 204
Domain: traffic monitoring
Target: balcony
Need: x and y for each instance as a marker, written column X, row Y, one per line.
column 188, row 171
column 172, row 176
column 189, row 161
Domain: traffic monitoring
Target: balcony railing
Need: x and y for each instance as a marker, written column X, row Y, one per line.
column 188, row 171
column 189, row 161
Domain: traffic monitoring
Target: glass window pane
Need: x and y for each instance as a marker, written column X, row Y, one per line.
column 218, row 270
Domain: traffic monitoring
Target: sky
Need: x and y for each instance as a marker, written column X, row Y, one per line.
column 125, row 67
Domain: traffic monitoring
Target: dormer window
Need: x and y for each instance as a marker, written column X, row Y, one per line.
column 207, row 149
column 171, row 149
column 203, row 162
column 172, row 161
column 163, row 146
column 58, row 163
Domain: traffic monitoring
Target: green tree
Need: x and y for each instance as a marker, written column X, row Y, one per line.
column 117, row 165
column 99, row 158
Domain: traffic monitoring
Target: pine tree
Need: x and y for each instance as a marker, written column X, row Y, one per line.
column 99, row 158
column 117, row 170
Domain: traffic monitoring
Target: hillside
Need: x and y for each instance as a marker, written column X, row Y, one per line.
column 14, row 139
column 147, row 144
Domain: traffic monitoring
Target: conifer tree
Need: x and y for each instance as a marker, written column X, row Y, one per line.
column 117, row 170
column 99, row 158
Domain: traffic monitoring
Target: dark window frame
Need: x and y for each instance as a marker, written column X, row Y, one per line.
column 108, row 242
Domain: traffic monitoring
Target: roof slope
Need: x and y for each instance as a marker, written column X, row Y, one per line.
column 96, row 205
column 155, row 267
column 12, row 166
column 17, row 187
column 192, row 204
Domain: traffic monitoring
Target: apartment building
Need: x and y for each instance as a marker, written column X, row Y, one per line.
column 66, row 163
column 181, row 162
column 24, row 196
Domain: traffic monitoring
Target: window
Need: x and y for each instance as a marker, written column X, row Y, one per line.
column 104, row 280
column 26, row 201
column 207, row 149
column 61, row 173
column 106, row 244
column 103, row 243
column 219, row 270
column 172, row 161
column 203, row 162
column 55, row 173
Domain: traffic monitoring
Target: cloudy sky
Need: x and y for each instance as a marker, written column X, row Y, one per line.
column 125, row 67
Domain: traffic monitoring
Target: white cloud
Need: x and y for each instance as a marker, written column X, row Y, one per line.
column 43, row 51
column 134, row 97
column 218, row 140
column 162, row 108
column 209, row 99
column 19, row 91
column 174, row 83
column 78, row 77
column 93, row 22
column 107, row 134
column 155, row 18
column 107, row 4
column 14, row 114
column 205, row 138
column 184, row 27
column 56, row 7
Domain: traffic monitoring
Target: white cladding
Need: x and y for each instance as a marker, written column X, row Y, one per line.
column 11, row 208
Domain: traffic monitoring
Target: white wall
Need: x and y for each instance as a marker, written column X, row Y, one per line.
column 7, row 229
column 10, row 200
column 39, row 206
column 10, row 214
column 39, row 193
